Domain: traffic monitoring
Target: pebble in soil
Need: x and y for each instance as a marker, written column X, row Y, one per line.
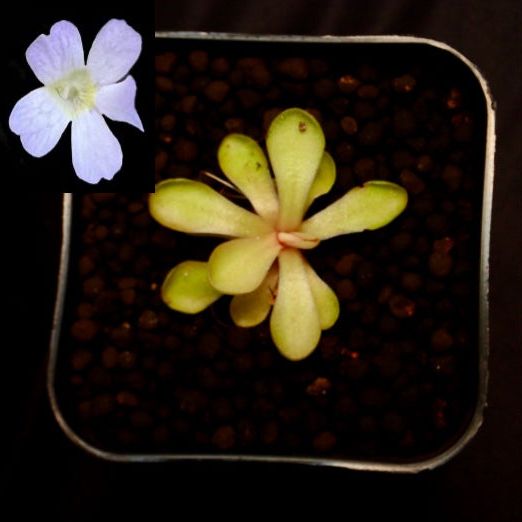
column 393, row 379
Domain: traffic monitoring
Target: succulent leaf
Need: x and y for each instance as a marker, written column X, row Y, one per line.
column 187, row 289
column 240, row 265
column 371, row 206
column 295, row 143
column 294, row 322
column 193, row 207
column 297, row 240
column 325, row 299
column 245, row 164
column 324, row 178
column 252, row 309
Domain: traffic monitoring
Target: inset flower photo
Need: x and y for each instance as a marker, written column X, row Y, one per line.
column 76, row 114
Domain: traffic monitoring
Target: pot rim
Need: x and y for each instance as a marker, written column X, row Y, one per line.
column 483, row 315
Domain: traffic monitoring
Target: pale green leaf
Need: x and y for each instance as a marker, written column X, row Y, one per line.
column 193, row 207
column 240, row 265
column 187, row 289
column 294, row 323
column 252, row 309
column 371, row 206
column 297, row 240
column 325, row 299
column 324, row 178
column 295, row 143
column 244, row 163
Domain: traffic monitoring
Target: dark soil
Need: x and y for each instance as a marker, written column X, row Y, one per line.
column 396, row 378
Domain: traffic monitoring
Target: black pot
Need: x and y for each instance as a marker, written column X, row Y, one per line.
column 386, row 390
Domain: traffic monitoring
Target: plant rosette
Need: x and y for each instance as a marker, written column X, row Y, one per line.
column 263, row 266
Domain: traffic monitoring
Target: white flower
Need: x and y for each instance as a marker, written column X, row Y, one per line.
column 79, row 92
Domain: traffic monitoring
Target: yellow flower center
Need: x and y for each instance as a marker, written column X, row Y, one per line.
column 75, row 92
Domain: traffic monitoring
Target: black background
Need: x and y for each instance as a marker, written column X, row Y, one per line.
column 483, row 483
column 54, row 172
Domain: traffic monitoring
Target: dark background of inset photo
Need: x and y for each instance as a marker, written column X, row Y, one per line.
column 54, row 172
column 46, row 473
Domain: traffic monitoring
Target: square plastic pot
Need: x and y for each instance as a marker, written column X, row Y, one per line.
column 79, row 358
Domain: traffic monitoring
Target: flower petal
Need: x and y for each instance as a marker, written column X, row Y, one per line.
column 251, row 309
column 116, row 101
column 114, row 51
column 324, row 178
column 294, row 323
column 240, row 265
column 55, row 55
column 39, row 121
column 244, row 163
column 295, row 143
column 96, row 153
column 186, row 288
column 193, row 207
column 325, row 299
column 371, row 206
